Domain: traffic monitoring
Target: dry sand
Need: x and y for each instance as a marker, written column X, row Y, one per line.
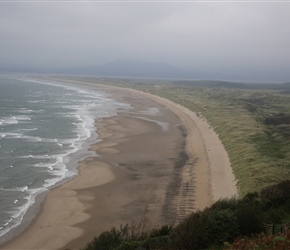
column 157, row 160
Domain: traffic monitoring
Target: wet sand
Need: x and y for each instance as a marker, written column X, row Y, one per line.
column 157, row 161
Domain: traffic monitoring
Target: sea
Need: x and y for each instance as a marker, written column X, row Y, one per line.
column 45, row 129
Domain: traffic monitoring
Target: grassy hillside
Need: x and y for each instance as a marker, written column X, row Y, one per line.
column 253, row 125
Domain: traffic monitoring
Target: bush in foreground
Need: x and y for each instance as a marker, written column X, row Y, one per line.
column 263, row 242
column 211, row 228
column 136, row 236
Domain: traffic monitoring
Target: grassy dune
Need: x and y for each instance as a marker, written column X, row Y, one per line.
column 252, row 121
column 251, row 126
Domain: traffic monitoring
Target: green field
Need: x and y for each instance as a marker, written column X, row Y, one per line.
column 252, row 121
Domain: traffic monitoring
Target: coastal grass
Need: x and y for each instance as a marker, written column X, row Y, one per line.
column 252, row 121
column 258, row 149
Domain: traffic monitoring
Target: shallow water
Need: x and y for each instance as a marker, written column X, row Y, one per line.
column 45, row 128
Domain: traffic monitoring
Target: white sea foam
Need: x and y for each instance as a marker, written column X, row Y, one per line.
column 17, row 189
column 66, row 141
column 22, row 118
column 18, row 212
column 37, row 101
column 14, row 120
column 42, row 157
column 10, row 135
column 42, row 165
column 55, row 167
column 48, row 140
column 26, row 156
column 27, row 129
column 29, row 138
column 8, row 121
column 36, row 156
column 29, row 111
column 25, row 111
column 7, row 222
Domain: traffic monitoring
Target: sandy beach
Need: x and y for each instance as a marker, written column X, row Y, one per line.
column 157, row 160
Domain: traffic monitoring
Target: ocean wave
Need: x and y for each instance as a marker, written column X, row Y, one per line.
column 18, row 213
column 25, row 111
column 48, row 140
column 16, row 189
column 43, row 165
column 7, row 222
column 35, row 156
column 37, row 101
column 56, row 161
column 14, row 120
column 29, row 111
column 59, row 176
column 8, row 121
column 29, row 138
column 10, row 135
column 27, row 129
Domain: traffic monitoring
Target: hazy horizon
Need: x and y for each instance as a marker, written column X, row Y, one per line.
column 248, row 40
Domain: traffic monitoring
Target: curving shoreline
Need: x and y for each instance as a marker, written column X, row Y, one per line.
column 102, row 195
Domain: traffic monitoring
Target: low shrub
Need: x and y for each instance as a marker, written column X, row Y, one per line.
column 222, row 204
column 263, row 242
column 250, row 220
column 192, row 232
column 276, row 195
column 222, row 226
column 107, row 240
column 163, row 231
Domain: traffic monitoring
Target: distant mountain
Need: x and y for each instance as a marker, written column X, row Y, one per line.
column 135, row 69
column 138, row 69
column 213, row 83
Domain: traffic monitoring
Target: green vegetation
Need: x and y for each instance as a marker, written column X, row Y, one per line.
column 227, row 224
column 126, row 238
column 263, row 242
column 252, row 121
column 251, row 124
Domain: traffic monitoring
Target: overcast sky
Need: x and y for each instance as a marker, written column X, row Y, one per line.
column 233, row 37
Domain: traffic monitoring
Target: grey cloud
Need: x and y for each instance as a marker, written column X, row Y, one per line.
column 224, row 37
